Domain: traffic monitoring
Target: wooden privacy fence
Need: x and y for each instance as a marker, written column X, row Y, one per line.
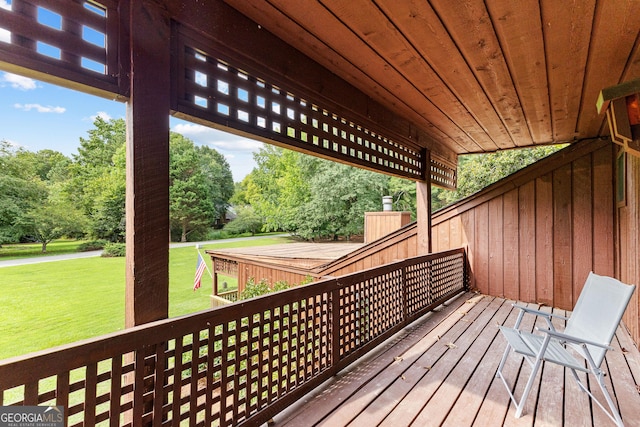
column 235, row 365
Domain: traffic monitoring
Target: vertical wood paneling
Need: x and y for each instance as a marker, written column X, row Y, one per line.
column 544, row 240
column 443, row 235
column 603, row 202
column 481, row 262
column 582, row 219
column 527, row 241
column 547, row 229
column 629, row 230
column 496, row 247
column 455, row 233
column 511, row 245
column 562, row 238
column 467, row 220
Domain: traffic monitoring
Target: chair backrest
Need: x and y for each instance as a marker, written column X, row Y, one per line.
column 598, row 312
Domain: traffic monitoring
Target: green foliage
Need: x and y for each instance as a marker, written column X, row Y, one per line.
column 24, row 250
column 246, row 221
column 94, row 245
column 91, row 188
column 311, row 197
column 21, row 189
column 200, row 186
column 96, row 183
column 114, row 250
column 477, row 171
column 52, row 220
column 340, row 195
column 253, row 289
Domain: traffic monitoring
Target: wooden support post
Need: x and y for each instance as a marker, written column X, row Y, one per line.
column 147, row 202
column 423, row 207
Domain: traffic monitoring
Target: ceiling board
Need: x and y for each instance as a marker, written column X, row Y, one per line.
column 478, row 75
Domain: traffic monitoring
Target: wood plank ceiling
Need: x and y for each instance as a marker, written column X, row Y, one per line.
column 478, row 75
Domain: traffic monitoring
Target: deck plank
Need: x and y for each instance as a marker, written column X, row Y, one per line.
column 550, row 400
column 354, row 378
column 416, row 379
column 445, row 398
column 441, row 359
column 494, row 408
column 472, row 396
column 399, row 384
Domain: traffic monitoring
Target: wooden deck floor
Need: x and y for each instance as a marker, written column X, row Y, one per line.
column 441, row 371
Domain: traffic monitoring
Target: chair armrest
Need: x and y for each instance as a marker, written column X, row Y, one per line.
column 538, row 312
column 570, row 338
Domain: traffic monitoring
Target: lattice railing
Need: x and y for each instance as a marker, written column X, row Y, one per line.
column 238, row 364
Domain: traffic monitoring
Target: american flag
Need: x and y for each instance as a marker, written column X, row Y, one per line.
column 199, row 270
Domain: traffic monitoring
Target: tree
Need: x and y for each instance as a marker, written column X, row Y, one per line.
column 246, row 221
column 200, row 186
column 340, row 196
column 96, row 182
column 52, row 220
column 20, row 190
column 311, row 197
column 477, row 171
column 278, row 186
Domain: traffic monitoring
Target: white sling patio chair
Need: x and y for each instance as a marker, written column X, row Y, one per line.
column 583, row 343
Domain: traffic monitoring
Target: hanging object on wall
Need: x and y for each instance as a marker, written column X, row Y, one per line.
column 622, row 105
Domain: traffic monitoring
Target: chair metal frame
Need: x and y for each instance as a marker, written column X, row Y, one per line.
column 588, row 334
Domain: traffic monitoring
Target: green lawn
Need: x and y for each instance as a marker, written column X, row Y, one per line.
column 23, row 250
column 53, row 303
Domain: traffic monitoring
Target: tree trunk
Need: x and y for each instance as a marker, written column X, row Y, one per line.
column 183, row 238
column 44, row 247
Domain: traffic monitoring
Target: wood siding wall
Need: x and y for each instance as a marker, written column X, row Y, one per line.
column 379, row 224
column 628, row 265
column 535, row 235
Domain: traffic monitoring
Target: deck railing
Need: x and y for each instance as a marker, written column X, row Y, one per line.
column 235, row 365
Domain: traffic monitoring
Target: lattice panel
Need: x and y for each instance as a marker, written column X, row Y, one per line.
column 443, row 174
column 447, row 275
column 418, row 287
column 368, row 308
column 258, row 359
column 434, row 279
column 73, row 40
column 213, row 90
column 225, row 266
column 91, row 392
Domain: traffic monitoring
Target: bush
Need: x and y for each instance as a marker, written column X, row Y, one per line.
column 114, row 250
column 94, row 245
column 254, row 289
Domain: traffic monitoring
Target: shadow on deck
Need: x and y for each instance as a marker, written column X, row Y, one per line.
column 441, row 371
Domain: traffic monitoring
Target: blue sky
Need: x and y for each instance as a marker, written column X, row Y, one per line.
column 36, row 115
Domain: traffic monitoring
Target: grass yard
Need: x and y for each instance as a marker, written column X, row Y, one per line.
column 23, row 250
column 49, row 304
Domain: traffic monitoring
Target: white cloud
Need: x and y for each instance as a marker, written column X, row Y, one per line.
column 5, row 35
column 103, row 115
column 217, row 139
column 40, row 108
column 17, row 82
